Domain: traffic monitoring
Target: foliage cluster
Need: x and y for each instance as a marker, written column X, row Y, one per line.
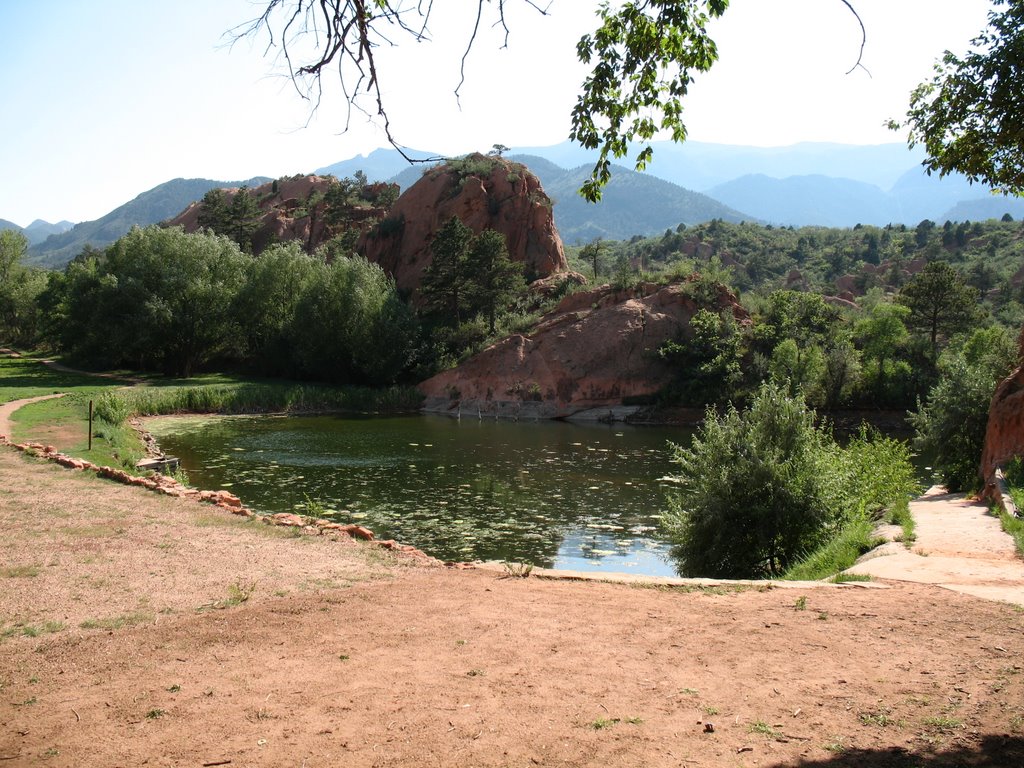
column 161, row 299
column 19, row 288
column 116, row 406
column 468, row 286
column 761, row 489
column 885, row 349
column 341, row 207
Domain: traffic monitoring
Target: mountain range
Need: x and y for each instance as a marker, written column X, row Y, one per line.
column 157, row 204
column 832, row 185
column 38, row 230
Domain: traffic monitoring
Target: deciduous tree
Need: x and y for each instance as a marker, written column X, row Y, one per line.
column 968, row 116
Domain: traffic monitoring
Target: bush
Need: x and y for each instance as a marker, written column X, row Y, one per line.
column 763, row 490
column 951, row 426
column 756, row 490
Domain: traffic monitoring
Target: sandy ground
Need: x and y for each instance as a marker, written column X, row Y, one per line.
column 142, row 630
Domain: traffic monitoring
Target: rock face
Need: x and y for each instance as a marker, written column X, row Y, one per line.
column 484, row 193
column 596, row 350
column 1004, row 435
column 295, row 209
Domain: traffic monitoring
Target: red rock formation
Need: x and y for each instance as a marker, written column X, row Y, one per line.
column 296, row 211
column 1004, row 434
column 594, row 350
column 484, row 193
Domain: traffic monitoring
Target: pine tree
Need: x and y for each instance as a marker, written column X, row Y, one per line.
column 493, row 279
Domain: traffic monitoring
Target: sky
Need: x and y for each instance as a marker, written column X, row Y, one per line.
column 104, row 100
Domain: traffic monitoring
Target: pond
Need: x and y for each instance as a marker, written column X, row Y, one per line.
column 553, row 494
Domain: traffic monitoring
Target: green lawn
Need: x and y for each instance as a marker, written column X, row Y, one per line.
column 23, row 377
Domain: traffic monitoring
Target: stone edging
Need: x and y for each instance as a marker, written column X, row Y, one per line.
column 225, row 500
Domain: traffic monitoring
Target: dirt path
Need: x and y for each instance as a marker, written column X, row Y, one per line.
column 6, row 409
column 959, row 546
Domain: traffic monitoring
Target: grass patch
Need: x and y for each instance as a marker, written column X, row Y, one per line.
column 117, row 622
column 763, row 728
column 238, row 593
column 856, row 538
column 19, row 572
column 843, row 578
column 943, row 723
column 25, row 377
column 900, row 515
column 881, row 718
column 33, row 630
column 1014, row 526
column 255, row 397
column 64, row 423
column 602, row 723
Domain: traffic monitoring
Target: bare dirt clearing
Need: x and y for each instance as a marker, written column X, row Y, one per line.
column 144, row 630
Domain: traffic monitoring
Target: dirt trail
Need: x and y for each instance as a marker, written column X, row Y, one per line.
column 959, row 546
column 7, row 409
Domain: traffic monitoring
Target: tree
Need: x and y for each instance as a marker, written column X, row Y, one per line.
column 19, row 288
column 593, row 254
column 950, row 426
column 492, row 278
column 940, row 303
column 707, row 363
column 274, row 282
column 882, row 332
column 444, row 280
column 214, row 212
column 244, row 218
column 968, row 116
column 644, row 55
column 350, row 326
column 157, row 298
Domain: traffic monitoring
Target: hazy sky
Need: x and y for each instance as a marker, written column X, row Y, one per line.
column 105, row 99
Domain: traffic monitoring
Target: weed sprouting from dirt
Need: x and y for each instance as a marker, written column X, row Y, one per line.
column 117, row 622
column 238, row 593
column 19, row 572
column 763, row 728
column 517, row 570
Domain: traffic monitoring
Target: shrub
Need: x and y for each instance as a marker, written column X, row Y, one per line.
column 951, row 425
column 756, row 490
column 763, row 490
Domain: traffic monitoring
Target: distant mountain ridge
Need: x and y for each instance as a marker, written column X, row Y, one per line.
column 151, row 207
column 38, row 230
column 804, row 184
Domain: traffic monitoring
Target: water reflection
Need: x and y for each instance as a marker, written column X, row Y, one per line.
column 549, row 493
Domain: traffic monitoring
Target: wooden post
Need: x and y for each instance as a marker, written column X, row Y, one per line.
column 90, row 425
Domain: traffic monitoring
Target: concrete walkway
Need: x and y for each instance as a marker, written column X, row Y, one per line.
column 959, row 546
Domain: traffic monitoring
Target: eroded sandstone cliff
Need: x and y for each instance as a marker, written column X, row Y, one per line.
column 483, row 193
column 596, row 351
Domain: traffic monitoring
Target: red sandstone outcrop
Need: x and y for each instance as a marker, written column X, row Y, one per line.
column 593, row 351
column 483, row 193
column 295, row 209
column 1004, row 434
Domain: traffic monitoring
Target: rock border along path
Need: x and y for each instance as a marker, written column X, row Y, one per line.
column 959, row 546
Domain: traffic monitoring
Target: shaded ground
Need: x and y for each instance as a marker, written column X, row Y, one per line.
column 140, row 630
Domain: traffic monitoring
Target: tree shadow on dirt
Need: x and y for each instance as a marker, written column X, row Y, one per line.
column 989, row 752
